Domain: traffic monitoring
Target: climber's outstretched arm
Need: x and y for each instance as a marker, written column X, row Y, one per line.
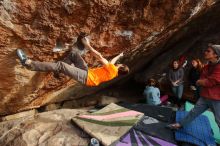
column 115, row 59
column 94, row 52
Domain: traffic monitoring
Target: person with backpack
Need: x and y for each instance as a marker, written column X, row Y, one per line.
column 210, row 88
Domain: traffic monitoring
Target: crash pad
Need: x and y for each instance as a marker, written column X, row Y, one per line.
column 197, row 132
column 138, row 138
column 155, row 128
column 108, row 124
column 211, row 117
column 164, row 114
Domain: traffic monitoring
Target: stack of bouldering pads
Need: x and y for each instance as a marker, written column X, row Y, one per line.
column 143, row 125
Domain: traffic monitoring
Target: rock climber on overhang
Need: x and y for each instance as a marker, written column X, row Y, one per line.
column 77, row 68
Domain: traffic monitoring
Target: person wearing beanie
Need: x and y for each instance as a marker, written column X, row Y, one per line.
column 215, row 48
column 210, row 88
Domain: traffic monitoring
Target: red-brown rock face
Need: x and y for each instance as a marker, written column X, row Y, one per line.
column 114, row 26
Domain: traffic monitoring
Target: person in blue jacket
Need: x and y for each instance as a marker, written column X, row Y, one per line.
column 152, row 93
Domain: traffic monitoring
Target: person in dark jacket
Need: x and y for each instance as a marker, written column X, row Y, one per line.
column 194, row 75
column 175, row 76
column 210, row 88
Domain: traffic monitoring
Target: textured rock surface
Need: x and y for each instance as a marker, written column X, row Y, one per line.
column 46, row 129
column 20, row 115
column 136, row 27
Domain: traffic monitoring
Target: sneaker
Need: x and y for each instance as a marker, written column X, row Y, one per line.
column 193, row 88
column 22, row 56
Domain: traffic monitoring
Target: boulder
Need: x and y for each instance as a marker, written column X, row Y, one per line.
column 143, row 30
column 46, row 129
column 20, row 115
